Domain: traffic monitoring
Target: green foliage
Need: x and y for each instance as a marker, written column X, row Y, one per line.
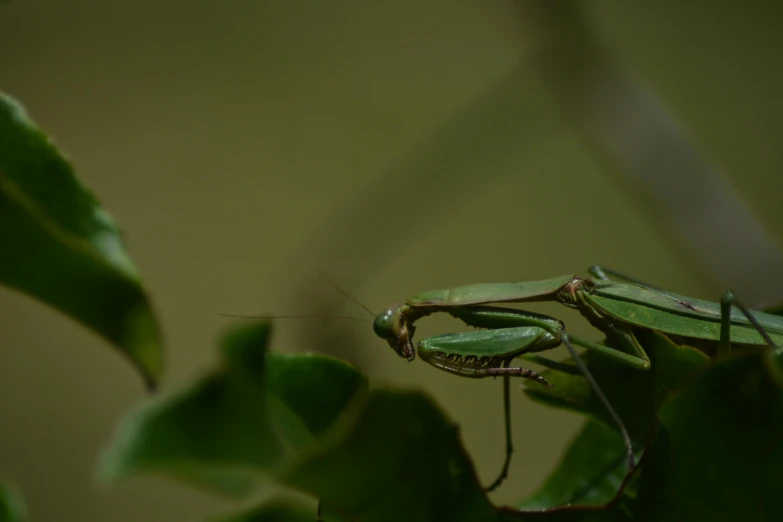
column 11, row 506
column 718, row 454
column 61, row 247
column 277, row 511
column 709, row 433
column 374, row 449
column 589, row 473
column 359, row 452
column 236, row 425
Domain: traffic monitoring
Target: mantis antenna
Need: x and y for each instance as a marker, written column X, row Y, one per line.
column 336, row 287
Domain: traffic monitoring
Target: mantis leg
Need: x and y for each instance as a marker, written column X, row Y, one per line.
column 462, row 353
column 552, row 365
column 509, row 443
column 507, row 419
column 630, row 460
column 633, row 356
column 724, row 344
column 637, row 358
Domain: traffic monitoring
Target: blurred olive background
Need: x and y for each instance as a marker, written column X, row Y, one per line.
column 245, row 146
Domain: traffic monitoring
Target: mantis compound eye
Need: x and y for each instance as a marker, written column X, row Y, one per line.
column 383, row 326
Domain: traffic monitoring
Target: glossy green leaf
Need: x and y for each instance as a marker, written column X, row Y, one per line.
column 275, row 511
column 61, row 247
column 590, row 473
column 231, row 429
column 718, row 454
column 12, row 507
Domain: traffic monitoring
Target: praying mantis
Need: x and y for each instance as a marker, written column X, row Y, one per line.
column 614, row 305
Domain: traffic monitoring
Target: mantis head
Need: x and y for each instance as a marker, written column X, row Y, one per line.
column 391, row 326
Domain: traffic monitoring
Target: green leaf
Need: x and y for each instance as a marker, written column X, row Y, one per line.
column 718, row 454
column 11, row 505
column 230, row 430
column 636, row 395
column 275, row 511
column 327, row 514
column 401, row 458
column 215, row 433
column 60, row 246
column 590, row 473
column 571, row 514
column 313, row 388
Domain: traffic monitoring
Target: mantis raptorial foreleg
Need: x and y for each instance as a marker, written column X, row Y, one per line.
column 489, row 353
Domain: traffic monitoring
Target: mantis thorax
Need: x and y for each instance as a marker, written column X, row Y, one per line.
column 572, row 293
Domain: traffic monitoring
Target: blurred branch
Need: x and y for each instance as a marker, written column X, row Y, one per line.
column 623, row 122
